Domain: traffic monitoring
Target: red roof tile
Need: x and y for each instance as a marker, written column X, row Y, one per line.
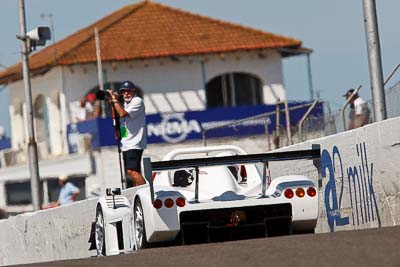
column 148, row 30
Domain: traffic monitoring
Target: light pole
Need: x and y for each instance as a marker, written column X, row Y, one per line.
column 374, row 60
column 34, row 38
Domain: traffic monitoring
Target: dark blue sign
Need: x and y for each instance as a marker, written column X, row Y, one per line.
column 178, row 127
column 101, row 131
column 5, row 143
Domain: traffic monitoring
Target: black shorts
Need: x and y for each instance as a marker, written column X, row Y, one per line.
column 132, row 159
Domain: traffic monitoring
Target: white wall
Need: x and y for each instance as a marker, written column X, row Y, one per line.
column 165, row 75
column 44, row 84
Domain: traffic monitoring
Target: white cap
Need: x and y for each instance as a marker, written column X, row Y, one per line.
column 62, row 177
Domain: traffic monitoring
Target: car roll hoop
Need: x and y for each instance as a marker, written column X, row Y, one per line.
column 112, row 192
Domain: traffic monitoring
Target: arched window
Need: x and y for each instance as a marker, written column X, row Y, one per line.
column 234, row 89
column 41, row 119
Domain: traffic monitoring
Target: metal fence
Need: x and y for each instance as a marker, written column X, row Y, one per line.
column 392, row 96
column 308, row 127
column 393, row 101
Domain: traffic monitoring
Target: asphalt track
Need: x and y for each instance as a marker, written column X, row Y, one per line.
column 372, row 247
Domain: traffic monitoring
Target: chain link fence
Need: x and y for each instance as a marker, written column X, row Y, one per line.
column 310, row 122
column 393, row 101
column 392, row 96
column 311, row 126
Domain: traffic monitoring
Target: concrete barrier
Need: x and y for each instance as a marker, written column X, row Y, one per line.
column 360, row 188
column 360, row 177
column 59, row 233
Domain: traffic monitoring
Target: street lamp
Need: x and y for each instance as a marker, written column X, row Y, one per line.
column 29, row 41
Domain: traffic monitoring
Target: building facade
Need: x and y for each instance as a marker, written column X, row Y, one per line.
column 182, row 61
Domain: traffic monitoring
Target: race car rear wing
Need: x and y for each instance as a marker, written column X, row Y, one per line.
column 149, row 167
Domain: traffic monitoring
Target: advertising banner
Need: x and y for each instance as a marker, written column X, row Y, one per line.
column 221, row 122
column 190, row 125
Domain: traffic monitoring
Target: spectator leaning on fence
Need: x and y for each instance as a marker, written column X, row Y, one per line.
column 359, row 111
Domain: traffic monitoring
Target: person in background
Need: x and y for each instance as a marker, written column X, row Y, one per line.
column 359, row 111
column 94, row 107
column 2, row 132
column 132, row 128
column 68, row 193
column 82, row 111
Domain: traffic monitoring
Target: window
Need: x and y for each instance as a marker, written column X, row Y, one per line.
column 234, row 89
column 18, row 193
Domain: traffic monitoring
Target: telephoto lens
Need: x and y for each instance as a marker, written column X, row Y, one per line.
column 102, row 95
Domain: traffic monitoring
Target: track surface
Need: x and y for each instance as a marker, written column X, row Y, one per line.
column 373, row 247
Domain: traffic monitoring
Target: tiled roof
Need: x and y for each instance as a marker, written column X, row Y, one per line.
column 148, row 30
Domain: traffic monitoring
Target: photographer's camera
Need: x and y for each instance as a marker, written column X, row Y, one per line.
column 103, row 95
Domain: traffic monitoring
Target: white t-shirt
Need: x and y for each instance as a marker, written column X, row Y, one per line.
column 133, row 127
column 360, row 106
column 83, row 112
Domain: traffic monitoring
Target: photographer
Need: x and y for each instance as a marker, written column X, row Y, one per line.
column 132, row 128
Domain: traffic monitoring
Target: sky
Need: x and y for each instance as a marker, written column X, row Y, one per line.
column 333, row 29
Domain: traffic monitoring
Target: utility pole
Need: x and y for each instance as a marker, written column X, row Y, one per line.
column 374, row 60
column 309, row 73
column 99, row 69
column 36, row 187
column 53, row 38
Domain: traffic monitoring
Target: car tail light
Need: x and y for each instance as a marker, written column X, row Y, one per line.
column 180, row 202
column 311, row 192
column 168, row 203
column 153, row 175
column 300, row 192
column 157, row 204
column 288, row 193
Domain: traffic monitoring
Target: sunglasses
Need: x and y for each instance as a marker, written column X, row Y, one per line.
column 123, row 91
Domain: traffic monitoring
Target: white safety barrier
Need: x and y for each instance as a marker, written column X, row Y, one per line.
column 58, row 233
column 360, row 188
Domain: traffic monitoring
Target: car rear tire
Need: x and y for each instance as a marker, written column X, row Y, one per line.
column 139, row 226
column 100, row 233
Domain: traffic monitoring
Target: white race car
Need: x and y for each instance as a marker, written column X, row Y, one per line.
column 225, row 194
